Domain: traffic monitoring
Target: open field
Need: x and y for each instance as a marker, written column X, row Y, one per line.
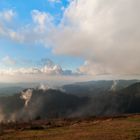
column 104, row 128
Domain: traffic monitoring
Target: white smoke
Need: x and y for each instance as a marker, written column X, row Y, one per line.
column 26, row 96
column 43, row 87
column 113, row 87
column 46, row 87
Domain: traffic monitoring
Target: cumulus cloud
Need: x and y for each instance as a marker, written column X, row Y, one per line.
column 32, row 33
column 6, row 30
column 42, row 19
column 104, row 33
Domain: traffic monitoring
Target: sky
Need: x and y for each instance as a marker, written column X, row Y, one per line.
column 69, row 40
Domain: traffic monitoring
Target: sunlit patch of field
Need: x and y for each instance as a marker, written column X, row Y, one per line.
column 118, row 128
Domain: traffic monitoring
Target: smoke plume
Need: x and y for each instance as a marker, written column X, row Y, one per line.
column 113, row 87
column 26, row 96
column 43, row 87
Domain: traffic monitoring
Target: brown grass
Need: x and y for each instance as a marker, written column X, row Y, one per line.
column 110, row 128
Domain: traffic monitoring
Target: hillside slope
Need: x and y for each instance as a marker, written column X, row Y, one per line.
column 109, row 128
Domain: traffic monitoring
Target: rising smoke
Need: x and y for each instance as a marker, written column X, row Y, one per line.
column 43, row 87
column 26, row 96
column 113, row 87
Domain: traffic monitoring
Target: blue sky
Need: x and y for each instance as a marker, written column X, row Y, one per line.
column 34, row 52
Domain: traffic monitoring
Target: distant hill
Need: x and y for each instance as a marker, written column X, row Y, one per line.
column 6, row 91
column 43, row 104
column 129, row 99
column 126, row 100
column 54, row 103
column 97, row 87
column 102, row 100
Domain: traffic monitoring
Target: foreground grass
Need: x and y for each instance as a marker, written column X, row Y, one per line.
column 102, row 129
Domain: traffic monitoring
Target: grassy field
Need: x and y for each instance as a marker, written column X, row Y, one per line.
column 110, row 128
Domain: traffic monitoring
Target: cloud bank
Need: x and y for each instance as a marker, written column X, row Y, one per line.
column 48, row 67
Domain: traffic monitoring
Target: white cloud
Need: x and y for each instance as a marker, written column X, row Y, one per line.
column 11, row 34
column 42, row 19
column 7, row 15
column 48, row 68
column 104, row 33
column 16, row 36
column 7, row 60
column 11, row 71
column 32, row 33
column 56, row 69
column 92, row 68
column 6, row 30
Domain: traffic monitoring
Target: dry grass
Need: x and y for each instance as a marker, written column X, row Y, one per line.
column 125, row 128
